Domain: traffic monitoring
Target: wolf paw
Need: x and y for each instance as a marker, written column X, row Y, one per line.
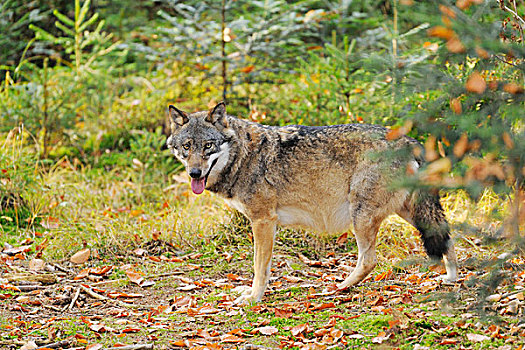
column 247, row 298
column 446, row 279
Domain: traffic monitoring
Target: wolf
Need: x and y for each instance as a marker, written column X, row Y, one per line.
column 324, row 178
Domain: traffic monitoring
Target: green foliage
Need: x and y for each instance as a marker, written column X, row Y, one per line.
column 19, row 175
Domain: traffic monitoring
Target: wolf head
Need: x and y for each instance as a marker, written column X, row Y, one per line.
column 201, row 141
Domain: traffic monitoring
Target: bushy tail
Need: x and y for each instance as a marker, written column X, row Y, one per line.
column 430, row 220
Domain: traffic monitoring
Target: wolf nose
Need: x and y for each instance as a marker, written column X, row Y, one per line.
column 195, row 173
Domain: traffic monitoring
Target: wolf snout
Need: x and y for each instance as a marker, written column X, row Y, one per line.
column 195, row 173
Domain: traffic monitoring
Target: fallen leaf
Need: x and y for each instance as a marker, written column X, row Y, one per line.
column 81, row 256
column 477, row 337
column 94, row 347
column 342, row 239
column 135, row 276
column 380, row 338
column 17, row 250
column 298, row 329
column 29, row 345
column 268, row 330
column 230, row 338
column 36, row 264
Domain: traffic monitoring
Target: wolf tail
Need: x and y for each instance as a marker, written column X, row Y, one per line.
column 429, row 218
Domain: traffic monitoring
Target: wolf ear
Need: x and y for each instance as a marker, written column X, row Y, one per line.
column 177, row 117
column 217, row 115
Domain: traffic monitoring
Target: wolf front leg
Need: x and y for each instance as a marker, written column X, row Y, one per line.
column 263, row 238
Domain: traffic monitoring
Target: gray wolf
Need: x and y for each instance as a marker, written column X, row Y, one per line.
column 326, row 179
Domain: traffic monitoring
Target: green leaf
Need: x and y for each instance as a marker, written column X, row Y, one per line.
column 41, row 34
column 66, row 20
column 83, row 12
column 88, row 22
column 64, row 29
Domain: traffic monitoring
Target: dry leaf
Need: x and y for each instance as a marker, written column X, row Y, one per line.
column 430, row 151
column 94, row 347
column 443, row 165
column 298, row 329
column 230, row 338
column 513, row 88
column 461, row 146
column 36, row 264
column 507, row 140
column 268, row 330
column 441, row 32
column 455, row 105
column 477, row 337
column 247, row 69
column 455, row 45
column 135, row 276
column 81, row 256
column 476, row 83
column 482, row 53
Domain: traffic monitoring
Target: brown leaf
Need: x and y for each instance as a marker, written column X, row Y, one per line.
column 81, row 256
column 476, row 83
column 441, row 149
column 17, row 250
column 268, row 330
column 463, row 4
column 135, row 276
column 447, row 11
column 247, row 69
column 455, row 45
column 36, row 264
column 131, row 330
column 461, row 146
column 455, row 105
column 323, row 306
column 298, row 329
column 94, row 347
column 507, row 140
column 430, row 149
column 441, row 32
column 513, row 88
column 230, row 338
column 341, row 240
column 482, row 53
column 442, row 165
column 477, row 337
column 380, row 338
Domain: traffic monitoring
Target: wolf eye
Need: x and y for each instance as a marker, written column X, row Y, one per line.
column 208, row 145
column 186, row 146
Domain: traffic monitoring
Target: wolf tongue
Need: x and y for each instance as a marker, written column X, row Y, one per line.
column 197, row 186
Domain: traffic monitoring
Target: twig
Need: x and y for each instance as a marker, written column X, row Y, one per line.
column 93, row 294
column 132, row 347
column 120, row 303
column 54, row 308
column 514, row 14
column 74, row 300
column 30, row 287
column 506, row 295
column 149, row 277
column 58, row 344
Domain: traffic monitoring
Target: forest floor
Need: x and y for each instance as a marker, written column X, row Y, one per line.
column 104, row 272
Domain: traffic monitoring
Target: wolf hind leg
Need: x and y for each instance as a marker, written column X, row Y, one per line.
column 365, row 231
column 424, row 212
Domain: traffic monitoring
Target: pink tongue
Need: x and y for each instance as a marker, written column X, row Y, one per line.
column 197, row 186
